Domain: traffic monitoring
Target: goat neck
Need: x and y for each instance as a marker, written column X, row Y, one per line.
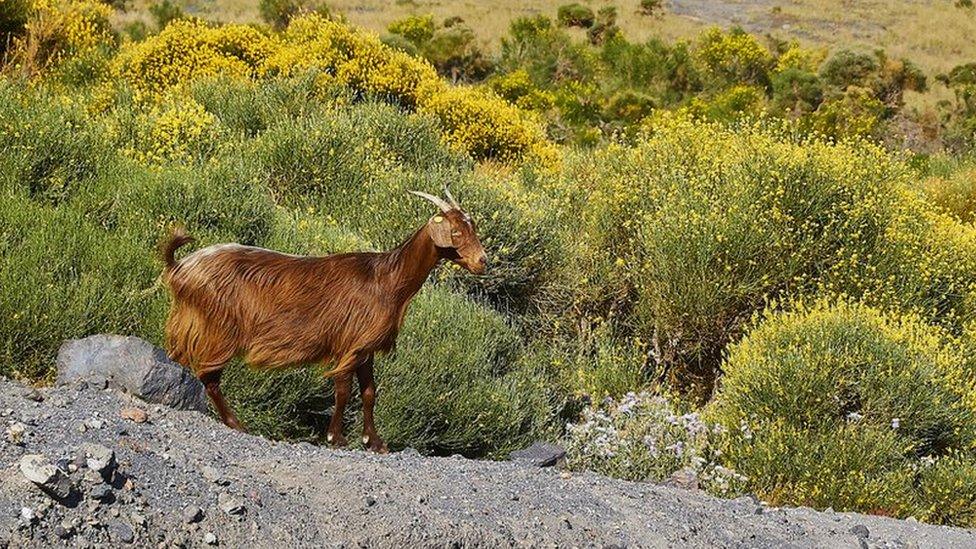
column 410, row 263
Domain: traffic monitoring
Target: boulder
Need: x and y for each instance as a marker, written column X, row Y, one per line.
column 540, row 454
column 133, row 365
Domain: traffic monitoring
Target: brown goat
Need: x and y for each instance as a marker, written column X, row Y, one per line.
column 276, row 309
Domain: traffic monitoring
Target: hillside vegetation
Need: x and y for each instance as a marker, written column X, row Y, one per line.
column 723, row 261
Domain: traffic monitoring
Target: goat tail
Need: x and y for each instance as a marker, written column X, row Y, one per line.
column 176, row 239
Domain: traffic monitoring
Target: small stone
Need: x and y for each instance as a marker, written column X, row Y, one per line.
column 27, row 515
column 99, row 458
column 94, row 423
column 52, row 480
column 121, row 532
column 16, row 433
column 370, row 501
column 129, row 485
column 101, row 492
column 210, row 538
column 229, row 504
column 861, row 531
column 33, row 394
column 138, row 519
column 137, row 415
column 64, row 530
column 192, row 514
column 421, row 498
column 213, row 475
column 565, row 475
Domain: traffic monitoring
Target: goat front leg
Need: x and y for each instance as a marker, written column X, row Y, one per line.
column 367, row 388
column 343, row 386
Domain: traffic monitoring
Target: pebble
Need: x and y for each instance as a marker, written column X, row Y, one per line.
column 101, row 492
column 230, row 504
column 192, row 514
column 99, row 458
column 64, row 530
column 210, row 538
column 370, row 501
column 134, row 414
column 120, row 531
column 27, row 515
column 860, row 531
column 16, row 433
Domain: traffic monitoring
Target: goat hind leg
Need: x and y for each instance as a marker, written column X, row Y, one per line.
column 343, row 386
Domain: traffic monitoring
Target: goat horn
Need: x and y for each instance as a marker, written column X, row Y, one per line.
column 447, row 193
column 439, row 202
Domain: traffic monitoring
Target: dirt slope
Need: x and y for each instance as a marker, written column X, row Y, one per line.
column 183, row 479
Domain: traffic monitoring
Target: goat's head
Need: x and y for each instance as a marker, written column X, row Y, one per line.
column 453, row 233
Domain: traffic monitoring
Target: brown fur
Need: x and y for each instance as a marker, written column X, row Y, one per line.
column 276, row 309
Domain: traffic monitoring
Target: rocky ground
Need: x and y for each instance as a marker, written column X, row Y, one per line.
column 86, row 466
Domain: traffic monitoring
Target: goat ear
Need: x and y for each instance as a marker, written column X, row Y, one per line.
column 440, row 231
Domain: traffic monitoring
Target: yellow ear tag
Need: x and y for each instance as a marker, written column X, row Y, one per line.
column 438, row 219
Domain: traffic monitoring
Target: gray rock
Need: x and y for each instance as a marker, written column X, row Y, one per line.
column 540, row 454
column 121, row 532
column 230, row 504
column 37, row 469
column 99, row 458
column 210, row 538
column 192, row 514
column 101, row 492
column 861, row 531
column 135, row 366
column 64, row 530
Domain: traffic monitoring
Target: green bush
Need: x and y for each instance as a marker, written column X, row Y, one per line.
column 278, row 13
column 848, row 68
column 165, row 12
column 456, row 383
column 836, row 405
column 947, row 491
column 575, row 15
column 796, row 92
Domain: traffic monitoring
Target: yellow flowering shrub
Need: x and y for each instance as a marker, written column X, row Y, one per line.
column 174, row 131
column 484, row 125
column 854, row 113
column 755, row 212
column 838, row 405
column 731, row 57
column 58, row 29
column 803, row 59
column 190, row 49
column 955, row 193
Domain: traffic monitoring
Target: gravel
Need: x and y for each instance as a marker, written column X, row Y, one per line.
column 183, row 479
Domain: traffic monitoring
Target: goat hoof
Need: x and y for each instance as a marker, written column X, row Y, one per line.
column 336, row 441
column 376, row 445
